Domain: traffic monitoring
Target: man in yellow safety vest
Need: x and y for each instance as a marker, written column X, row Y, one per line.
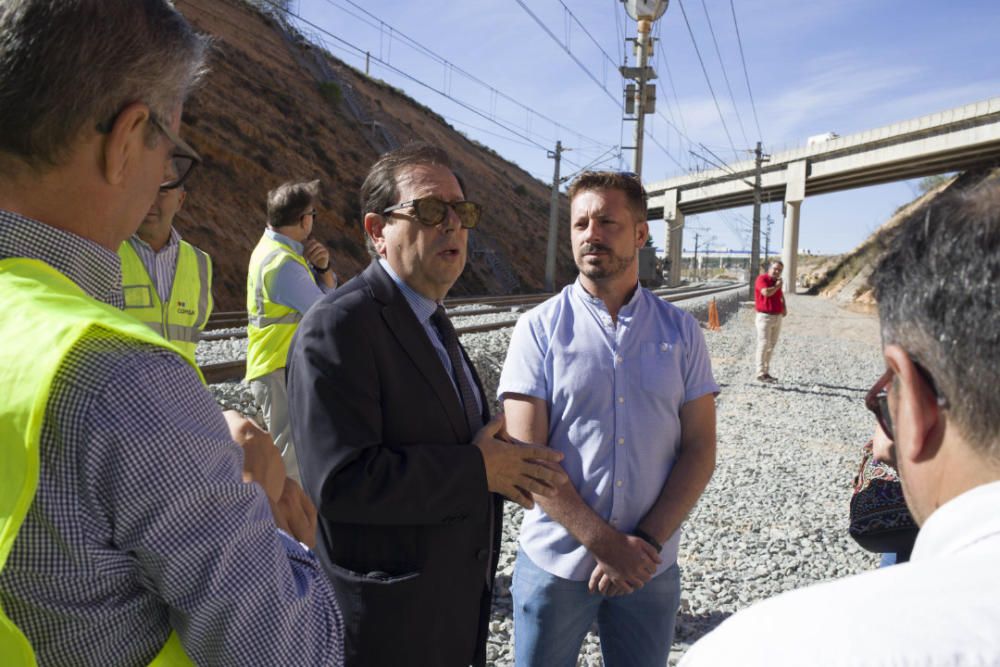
column 166, row 281
column 128, row 532
column 289, row 271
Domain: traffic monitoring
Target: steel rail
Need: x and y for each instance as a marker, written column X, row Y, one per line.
column 234, row 370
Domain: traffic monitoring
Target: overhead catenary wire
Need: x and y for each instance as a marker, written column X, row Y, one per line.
column 453, row 68
column 569, row 52
column 708, row 80
column 410, row 77
column 681, row 131
column 725, row 76
column 590, row 75
column 598, row 160
column 600, row 48
column 746, row 75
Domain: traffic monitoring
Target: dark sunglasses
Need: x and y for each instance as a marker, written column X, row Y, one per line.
column 877, row 399
column 432, row 211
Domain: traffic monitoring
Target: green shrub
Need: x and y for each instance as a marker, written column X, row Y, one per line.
column 331, row 93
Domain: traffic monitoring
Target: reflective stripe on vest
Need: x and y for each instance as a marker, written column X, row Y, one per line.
column 270, row 325
column 47, row 315
column 176, row 320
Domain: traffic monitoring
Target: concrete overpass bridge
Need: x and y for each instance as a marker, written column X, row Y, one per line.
column 951, row 140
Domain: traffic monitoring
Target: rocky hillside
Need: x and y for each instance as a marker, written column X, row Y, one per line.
column 845, row 277
column 275, row 108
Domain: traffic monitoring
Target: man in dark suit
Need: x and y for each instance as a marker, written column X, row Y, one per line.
column 391, row 414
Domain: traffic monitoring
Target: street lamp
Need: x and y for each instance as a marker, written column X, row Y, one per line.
column 650, row 10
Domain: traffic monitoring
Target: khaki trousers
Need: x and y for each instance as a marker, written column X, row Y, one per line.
column 768, row 326
column 272, row 398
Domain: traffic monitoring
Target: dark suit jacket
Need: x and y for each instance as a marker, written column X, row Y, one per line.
column 384, row 451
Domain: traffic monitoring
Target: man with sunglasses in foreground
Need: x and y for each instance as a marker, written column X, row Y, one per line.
column 939, row 306
column 166, row 281
column 289, row 271
column 394, row 438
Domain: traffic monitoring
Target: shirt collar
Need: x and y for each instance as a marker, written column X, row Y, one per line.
column 422, row 307
column 627, row 310
column 960, row 522
column 281, row 238
column 172, row 242
column 94, row 268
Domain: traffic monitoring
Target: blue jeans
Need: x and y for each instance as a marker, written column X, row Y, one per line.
column 552, row 616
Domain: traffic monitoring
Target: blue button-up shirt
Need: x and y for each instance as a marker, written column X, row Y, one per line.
column 614, row 393
column 423, row 308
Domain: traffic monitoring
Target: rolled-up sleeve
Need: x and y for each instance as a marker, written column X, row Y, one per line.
column 524, row 369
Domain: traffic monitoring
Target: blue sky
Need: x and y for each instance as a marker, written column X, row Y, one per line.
column 814, row 66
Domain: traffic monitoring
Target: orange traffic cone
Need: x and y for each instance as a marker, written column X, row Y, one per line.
column 713, row 316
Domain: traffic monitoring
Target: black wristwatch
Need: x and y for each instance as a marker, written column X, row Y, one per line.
column 319, row 270
column 648, row 539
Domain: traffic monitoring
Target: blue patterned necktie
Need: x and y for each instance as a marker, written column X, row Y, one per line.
column 450, row 340
column 472, row 414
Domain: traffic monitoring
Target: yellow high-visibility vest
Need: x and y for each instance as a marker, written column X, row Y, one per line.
column 182, row 318
column 46, row 316
column 270, row 325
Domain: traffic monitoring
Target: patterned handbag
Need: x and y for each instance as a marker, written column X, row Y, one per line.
column 880, row 520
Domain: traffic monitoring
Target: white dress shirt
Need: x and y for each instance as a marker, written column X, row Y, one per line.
column 941, row 608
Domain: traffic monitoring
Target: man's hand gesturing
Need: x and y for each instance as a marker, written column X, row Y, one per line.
column 516, row 470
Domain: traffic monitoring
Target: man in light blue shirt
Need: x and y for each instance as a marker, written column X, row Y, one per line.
column 620, row 382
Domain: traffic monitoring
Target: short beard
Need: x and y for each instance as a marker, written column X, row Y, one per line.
column 612, row 266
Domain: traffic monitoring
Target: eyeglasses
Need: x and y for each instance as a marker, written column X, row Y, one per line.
column 432, row 211
column 877, row 399
column 184, row 157
column 313, row 213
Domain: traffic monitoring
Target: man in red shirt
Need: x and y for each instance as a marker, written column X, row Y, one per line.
column 770, row 302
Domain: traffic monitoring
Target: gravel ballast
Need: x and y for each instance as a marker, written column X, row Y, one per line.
column 774, row 516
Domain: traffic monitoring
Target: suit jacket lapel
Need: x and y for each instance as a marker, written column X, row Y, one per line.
column 408, row 331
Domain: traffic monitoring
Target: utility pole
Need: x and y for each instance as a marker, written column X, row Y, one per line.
column 641, row 99
column 759, row 159
column 767, row 238
column 550, row 250
column 695, row 265
column 643, row 47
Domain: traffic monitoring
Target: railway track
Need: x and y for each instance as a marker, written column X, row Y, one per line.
column 235, row 370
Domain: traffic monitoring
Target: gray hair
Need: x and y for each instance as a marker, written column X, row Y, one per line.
column 287, row 202
column 67, row 66
column 938, row 292
column 380, row 191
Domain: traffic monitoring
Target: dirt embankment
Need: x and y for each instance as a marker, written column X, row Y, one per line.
column 845, row 277
column 275, row 108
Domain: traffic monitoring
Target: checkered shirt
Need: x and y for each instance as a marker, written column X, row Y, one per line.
column 161, row 265
column 141, row 523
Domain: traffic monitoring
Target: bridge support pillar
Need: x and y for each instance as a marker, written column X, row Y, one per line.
column 795, row 192
column 789, row 253
column 675, row 236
